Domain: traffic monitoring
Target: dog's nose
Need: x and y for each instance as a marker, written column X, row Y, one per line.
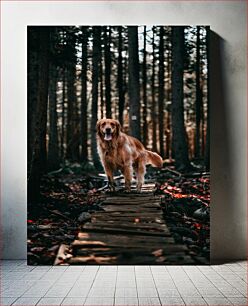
column 108, row 130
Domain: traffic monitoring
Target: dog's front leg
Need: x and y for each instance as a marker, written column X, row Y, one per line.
column 111, row 183
column 128, row 173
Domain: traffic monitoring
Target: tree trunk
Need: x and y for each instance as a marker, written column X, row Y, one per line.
column 168, row 98
column 62, row 141
column 120, row 77
column 107, row 55
column 133, row 82
column 198, row 103
column 207, row 148
column 161, row 91
column 72, row 116
column 33, row 76
column 84, row 127
column 95, row 75
column 39, row 111
column 144, row 93
column 154, row 115
column 53, row 146
column 178, row 128
column 101, row 88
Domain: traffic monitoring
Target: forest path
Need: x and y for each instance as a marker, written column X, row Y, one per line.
column 130, row 230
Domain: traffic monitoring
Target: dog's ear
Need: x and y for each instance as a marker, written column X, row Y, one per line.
column 118, row 127
column 98, row 127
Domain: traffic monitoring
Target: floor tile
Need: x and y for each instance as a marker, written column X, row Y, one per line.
column 73, row 301
column 121, row 301
column 79, row 291
column 126, row 292
column 189, row 292
column 164, row 292
column 102, row 292
column 217, row 301
column 58, row 291
column 102, row 301
column 147, row 292
column 4, row 301
column 194, row 301
column 239, row 301
column 230, row 292
column 126, row 283
column 149, row 301
column 167, row 301
column 50, row 301
column 27, row 301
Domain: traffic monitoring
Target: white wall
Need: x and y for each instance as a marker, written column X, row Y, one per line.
column 228, row 104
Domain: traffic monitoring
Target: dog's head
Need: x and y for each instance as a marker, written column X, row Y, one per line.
column 107, row 129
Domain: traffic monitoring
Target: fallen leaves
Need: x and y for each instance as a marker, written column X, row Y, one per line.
column 186, row 205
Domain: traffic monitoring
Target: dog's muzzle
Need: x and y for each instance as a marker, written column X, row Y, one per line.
column 108, row 135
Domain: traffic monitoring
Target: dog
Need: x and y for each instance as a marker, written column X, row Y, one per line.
column 119, row 151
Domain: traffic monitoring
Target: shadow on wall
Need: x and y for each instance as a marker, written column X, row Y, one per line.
column 227, row 240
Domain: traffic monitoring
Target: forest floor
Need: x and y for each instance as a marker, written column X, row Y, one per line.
column 71, row 195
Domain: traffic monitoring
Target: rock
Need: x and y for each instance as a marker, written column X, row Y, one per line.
column 32, row 227
column 84, row 216
column 44, row 226
column 185, row 232
column 201, row 213
column 37, row 249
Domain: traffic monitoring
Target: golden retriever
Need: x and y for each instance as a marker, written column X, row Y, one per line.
column 118, row 151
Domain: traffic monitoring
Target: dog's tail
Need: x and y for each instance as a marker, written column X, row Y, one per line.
column 154, row 159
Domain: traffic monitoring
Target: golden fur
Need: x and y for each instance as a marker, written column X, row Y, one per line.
column 118, row 151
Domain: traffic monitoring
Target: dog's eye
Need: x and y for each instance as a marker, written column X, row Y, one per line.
column 103, row 124
column 112, row 125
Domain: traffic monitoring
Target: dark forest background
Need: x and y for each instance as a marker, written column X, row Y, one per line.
column 154, row 80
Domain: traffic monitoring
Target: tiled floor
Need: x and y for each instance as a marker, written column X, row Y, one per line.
column 123, row 285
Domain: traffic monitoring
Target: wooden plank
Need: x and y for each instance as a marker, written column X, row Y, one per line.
column 132, row 203
column 115, row 230
column 179, row 250
column 137, row 259
column 114, row 240
column 134, row 199
column 61, row 255
column 129, row 208
column 136, row 227
column 128, row 219
column 129, row 195
column 127, row 214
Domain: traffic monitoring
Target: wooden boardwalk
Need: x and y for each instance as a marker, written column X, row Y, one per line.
column 131, row 230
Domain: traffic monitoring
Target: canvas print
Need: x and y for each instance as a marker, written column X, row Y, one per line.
column 118, row 145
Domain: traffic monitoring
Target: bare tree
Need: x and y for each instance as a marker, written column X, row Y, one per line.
column 107, row 56
column 178, row 128
column 144, row 73
column 154, row 115
column 161, row 91
column 207, row 148
column 198, row 102
column 39, row 60
column 53, row 145
column 95, row 77
column 84, row 104
column 121, row 92
column 133, row 82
